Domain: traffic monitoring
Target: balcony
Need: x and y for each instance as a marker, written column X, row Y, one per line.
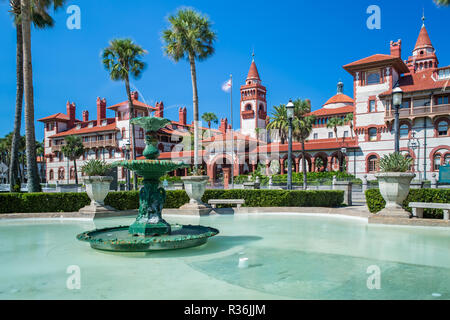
column 248, row 114
column 411, row 113
column 90, row 144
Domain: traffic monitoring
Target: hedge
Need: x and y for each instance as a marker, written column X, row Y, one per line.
column 297, row 177
column 127, row 200
column 376, row 203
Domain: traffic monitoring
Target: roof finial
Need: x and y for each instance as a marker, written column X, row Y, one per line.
column 423, row 17
column 253, row 55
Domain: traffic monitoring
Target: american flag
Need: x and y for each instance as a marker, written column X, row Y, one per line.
column 227, row 86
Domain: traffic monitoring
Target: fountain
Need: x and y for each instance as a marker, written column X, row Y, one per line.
column 150, row 231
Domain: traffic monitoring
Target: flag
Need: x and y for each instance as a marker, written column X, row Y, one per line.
column 227, row 86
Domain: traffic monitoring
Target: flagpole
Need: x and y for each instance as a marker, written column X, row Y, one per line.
column 232, row 133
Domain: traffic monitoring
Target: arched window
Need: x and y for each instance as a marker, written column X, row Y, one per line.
column 437, row 161
column 373, row 78
column 372, row 134
column 248, row 107
column 404, row 131
column 443, row 128
column 72, row 173
column 61, row 174
column 50, row 175
column 447, row 160
column 372, row 163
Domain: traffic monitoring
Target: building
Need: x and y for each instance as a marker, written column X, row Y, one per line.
column 356, row 148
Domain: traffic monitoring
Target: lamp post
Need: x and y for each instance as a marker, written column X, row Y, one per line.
column 290, row 115
column 414, row 145
column 342, row 167
column 127, row 157
column 397, row 95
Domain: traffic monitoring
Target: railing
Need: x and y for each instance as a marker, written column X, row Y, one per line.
column 419, row 111
column 90, row 144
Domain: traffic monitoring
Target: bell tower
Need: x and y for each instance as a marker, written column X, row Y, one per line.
column 253, row 107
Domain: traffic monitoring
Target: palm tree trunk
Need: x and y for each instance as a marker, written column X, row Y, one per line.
column 335, row 133
column 304, row 165
column 13, row 164
column 195, row 103
column 32, row 170
column 75, row 170
column 131, row 129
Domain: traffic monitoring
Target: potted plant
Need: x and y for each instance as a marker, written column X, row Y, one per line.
column 394, row 182
column 97, row 184
column 195, row 186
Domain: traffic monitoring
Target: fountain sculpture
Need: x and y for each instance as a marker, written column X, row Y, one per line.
column 150, row 231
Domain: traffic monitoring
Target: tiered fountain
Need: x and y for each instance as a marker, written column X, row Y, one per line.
column 150, row 231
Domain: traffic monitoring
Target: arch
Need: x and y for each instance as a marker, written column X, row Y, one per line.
column 438, row 127
column 61, row 173
column 225, row 160
column 440, row 151
column 337, row 161
column 405, row 125
column 51, row 175
column 248, row 107
column 322, row 155
column 371, row 162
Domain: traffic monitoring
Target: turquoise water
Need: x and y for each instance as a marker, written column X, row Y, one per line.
column 290, row 257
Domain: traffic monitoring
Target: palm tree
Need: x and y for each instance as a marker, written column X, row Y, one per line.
column 334, row 123
column 73, row 149
column 349, row 119
column 190, row 36
column 40, row 19
column 40, row 151
column 29, row 9
column 443, row 2
column 302, row 126
column 122, row 59
column 279, row 121
column 209, row 117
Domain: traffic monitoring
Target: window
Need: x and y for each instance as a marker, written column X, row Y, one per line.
column 372, row 106
column 437, row 161
column 372, row 163
column 50, row 175
column 330, row 135
column 443, row 128
column 405, row 105
column 248, row 107
column 404, row 131
column 373, row 134
column 442, row 100
column 316, row 136
column 345, row 134
column 373, row 77
column 61, row 174
column 60, row 156
column 447, row 160
column 444, row 74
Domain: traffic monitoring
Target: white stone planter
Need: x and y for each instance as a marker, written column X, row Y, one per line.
column 97, row 188
column 394, row 187
column 195, row 187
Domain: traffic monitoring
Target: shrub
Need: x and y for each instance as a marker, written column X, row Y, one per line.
column 395, row 162
column 94, row 167
column 128, row 200
column 376, row 203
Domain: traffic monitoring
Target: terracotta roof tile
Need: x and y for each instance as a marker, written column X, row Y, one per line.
column 376, row 60
column 331, row 111
column 423, row 40
column 339, row 98
column 75, row 131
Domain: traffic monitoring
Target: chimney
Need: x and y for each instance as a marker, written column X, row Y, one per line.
column 182, row 115
column 134, row 95
column 396, row 48
column 223, row 125
column 159, row 110
column 71, row 114
column 101, row 110
column 85, row 116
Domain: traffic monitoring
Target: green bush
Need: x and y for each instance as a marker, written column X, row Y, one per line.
column 376, row 203
column 297, row 178
column 128, row 200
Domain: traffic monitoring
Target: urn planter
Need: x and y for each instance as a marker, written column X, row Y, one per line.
column 97, row 188
column 195, row 187
column 394, row 187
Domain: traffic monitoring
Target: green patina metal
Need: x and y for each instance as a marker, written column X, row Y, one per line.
column 150, row 231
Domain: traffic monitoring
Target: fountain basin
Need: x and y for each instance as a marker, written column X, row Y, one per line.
column 120, row 240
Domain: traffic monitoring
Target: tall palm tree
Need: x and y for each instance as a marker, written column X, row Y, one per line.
column 40, row 18
column 210, row 117
column 443, row 2
column 279, row 121
column 122, row 59
column 190, row 36
column 349, row 119
column 334, row 123
column 302, row 126
column 73, row 149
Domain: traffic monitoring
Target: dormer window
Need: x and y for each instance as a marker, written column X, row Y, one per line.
column 79, row 126
column 91, row 125
column 373, row 77
column 104, row 122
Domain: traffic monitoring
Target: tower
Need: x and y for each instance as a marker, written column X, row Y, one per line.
column 253, row 106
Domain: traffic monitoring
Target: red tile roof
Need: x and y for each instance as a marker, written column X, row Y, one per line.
column 377, row 60
column 331, row 111
column 253, row 72
column 339, row 98
column 419, row 81
column 75, row 131
column 135, row 103
column 228, row 135
column 56, row 116
column 423, row 40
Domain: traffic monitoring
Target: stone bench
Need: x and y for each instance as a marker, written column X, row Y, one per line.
column 215, row 202
column 417, row 208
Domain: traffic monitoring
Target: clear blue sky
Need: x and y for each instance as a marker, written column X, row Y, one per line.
column 300, row 48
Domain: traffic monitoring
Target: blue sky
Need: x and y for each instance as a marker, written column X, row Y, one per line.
column 300, row 48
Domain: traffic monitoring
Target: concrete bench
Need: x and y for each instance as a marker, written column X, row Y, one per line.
column 215, row 202
column 417, row 208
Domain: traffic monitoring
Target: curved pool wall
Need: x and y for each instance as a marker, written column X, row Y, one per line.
column 306, row 256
